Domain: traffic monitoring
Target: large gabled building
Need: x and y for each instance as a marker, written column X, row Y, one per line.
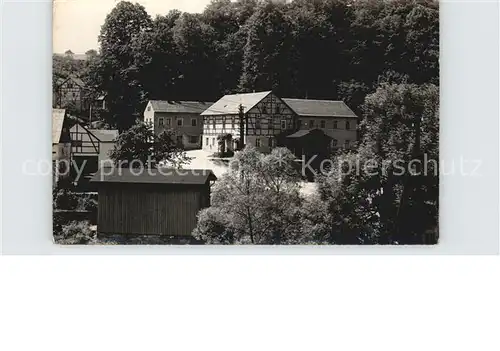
column 334, row 118
column 181, row 117
column 266, row 118
column 269, row 121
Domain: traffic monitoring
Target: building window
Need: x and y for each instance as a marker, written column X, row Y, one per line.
column 168, row 121
column 277, row 110
column 272, row 142
column 311, row 123
column 334, row 143
column 180, row 122
column 347, row 125
column 223, row 122
column 257, row 123
column 160, row 122
column 207, row 123
column 347, row 144
column 299, row 123
column 232, row 123
column 206, row 141
column 213, row 123
column 149, row 108
column 193, row 140
column 213, row 141
column 194, row 122
column 264, row 109
column 257, row 142
column 323, row 124
column 335, row 125
column 283, row 124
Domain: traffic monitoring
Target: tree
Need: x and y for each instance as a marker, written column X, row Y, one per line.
column 195, row 43
column 139, row 147
column 115, row 72
column 156, row 59
column 256, row 202
column 268, row 47
column 364, row 190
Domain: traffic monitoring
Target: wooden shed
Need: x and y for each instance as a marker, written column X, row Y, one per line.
column 151, row 201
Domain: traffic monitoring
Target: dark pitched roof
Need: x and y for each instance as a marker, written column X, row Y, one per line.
column 75, row 80
column 58, row 116
column 180, row 106
column 230, row 104
column 154, row 176
column 304, row 132
column 320, row 108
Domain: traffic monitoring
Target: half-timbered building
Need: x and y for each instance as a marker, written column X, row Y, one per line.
column 70, row 92
column 151, row 201
column 264, row 120
column 90, row 150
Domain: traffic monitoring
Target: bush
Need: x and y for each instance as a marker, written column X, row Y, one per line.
column 87, row 203
column 75, row 233
column 65, row 200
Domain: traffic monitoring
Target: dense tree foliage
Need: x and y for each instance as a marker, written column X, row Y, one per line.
column 387, row 192
column 140, row 147
column 331, row 49
column 379, row 56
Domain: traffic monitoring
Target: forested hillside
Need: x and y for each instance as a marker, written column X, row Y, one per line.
column 334, row 49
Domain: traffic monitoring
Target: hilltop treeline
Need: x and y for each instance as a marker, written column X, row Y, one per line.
column 331, row 49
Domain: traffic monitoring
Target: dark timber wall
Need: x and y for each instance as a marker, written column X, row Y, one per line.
column 150, row 209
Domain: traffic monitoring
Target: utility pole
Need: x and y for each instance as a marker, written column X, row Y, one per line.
column 241, row 114
column 90, row 116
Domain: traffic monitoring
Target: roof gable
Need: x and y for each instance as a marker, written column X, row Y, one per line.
column 75, row 80
column 154, row 176
column 230, row 104
column 196, row 107
column 320, row 108
column 58, row 116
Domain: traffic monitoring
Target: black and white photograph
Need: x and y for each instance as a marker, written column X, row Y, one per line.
column 246, row 122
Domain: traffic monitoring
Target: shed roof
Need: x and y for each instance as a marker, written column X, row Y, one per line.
column 180, row 106
column 57, row 124
column 105, row 135
column 154, row 176
column 320, row 108
column 74, row 79
column 230, row 104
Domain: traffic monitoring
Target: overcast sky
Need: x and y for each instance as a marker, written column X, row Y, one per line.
column 77, row 22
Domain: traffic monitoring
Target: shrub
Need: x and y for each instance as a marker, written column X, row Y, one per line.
column 65, row 200
column 87, row 203
column 75, row 233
